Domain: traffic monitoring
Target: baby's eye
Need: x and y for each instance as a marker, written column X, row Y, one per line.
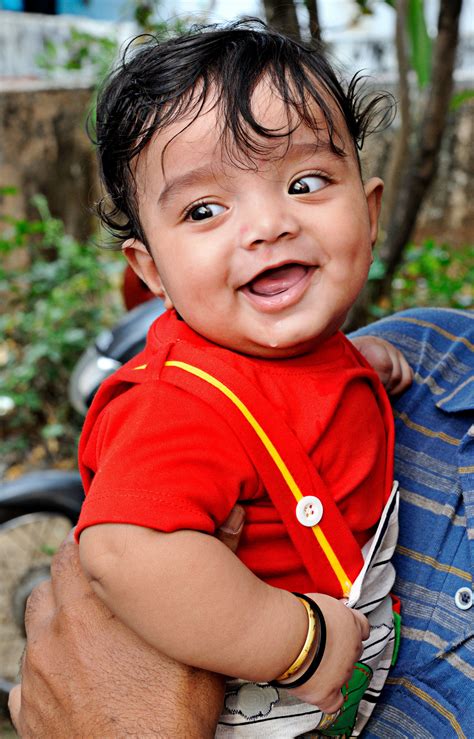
column 310, row 183
column 203, row 211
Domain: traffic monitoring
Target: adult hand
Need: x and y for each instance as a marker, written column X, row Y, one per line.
column 85, row 674
column 230, row 531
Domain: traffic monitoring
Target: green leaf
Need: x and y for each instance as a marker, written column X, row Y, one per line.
column 6, row 190
column 365, row 7
column 74, row 336
column 377, row 269
column 52, row 307
column 460, row 98
column 52, row 431
column 48, row 550
column 420, row 42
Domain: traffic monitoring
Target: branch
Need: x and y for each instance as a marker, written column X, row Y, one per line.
column 424, row 162
column 314, row 25
column 399, row 158
column 281, row 16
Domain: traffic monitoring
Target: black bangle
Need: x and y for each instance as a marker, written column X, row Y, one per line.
column 319, row 653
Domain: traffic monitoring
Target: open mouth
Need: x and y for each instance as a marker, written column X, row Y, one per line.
column 277, row 280
column 278, row 286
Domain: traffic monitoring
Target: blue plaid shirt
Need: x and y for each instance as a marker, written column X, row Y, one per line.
column 429, row 692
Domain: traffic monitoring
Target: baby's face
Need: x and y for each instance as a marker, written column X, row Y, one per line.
column 266, row 262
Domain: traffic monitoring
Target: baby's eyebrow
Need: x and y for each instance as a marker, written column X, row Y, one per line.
column 174, row 186
column 309, row 148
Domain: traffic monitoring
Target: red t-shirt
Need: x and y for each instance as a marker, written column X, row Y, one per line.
column 157, row 456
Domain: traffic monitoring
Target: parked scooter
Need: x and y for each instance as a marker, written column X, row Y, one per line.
column 38, row 509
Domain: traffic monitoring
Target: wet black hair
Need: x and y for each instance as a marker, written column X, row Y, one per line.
column 159, row 82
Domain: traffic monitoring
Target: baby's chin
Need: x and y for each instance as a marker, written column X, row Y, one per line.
column 274, row 338
column 285, row 340
column 283, row 347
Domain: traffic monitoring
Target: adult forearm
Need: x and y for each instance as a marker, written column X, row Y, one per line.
column 190, row 597
column 85, row 675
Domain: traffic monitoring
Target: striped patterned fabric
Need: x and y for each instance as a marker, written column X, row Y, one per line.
column 430, row 691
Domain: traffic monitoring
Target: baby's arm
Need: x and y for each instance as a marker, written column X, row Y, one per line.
column 187, row 595
column 390, row 364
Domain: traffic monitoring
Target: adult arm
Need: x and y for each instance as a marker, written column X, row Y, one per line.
column 86, row 675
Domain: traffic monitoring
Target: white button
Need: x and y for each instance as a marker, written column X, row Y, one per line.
column 309, row 510
column 463, row 598
column 470, row 431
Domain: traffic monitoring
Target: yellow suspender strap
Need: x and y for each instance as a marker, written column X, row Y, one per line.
column 273, row 452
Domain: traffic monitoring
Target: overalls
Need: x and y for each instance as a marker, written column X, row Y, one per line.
column 324, row 541
column 318, row 531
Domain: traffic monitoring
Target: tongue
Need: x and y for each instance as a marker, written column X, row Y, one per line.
column 275, row 281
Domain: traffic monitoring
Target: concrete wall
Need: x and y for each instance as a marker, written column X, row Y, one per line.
column 44, row 149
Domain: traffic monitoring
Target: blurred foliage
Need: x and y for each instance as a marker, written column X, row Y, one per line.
column 430, row 274
column 54, row 294
column 146, row 16
column 80, row 51
column 420, row 42
column 421, row 45
column 94, row 53
column 459, row 98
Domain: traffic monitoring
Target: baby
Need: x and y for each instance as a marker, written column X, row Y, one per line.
column 230, row 160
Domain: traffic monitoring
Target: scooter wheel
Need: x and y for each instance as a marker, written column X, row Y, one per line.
column 27, row 544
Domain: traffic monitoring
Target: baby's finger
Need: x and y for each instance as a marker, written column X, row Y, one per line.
column 363, row 624
column 332, row 702
column 395, row 374
column 377, row 353
column 404, row 376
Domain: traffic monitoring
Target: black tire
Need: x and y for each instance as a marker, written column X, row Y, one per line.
column 35, row 510
column 44, row 490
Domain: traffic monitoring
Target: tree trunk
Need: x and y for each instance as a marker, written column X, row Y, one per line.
column 314, row 27
column 281, row 16
column 422, row 168
column 401, row 150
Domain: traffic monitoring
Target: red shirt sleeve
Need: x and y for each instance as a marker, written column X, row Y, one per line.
column 163, row 459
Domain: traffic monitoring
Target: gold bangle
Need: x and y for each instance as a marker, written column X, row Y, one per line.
column 310, row 636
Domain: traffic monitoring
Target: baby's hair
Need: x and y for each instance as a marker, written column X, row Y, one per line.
column 160, row 82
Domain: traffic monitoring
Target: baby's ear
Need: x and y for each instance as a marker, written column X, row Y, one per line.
column 143, row 264
column 373, row 192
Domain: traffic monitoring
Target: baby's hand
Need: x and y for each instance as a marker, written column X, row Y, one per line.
column 389, row 363
column 346, row 630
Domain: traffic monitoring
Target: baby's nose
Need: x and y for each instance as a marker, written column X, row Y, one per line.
column 268, row 225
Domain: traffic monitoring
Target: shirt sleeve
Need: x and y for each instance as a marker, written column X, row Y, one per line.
column 164, row 459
